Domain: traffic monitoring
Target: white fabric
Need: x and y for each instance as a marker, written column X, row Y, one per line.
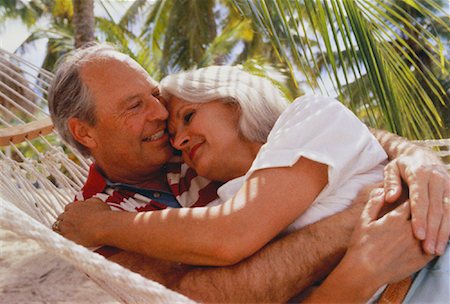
column 321, row 129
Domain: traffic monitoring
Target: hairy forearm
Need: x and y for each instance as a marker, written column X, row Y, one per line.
column 276, row 273
column 395, row 145
column 280, row 270
column 344, row 285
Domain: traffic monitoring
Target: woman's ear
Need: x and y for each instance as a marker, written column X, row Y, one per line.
column 82, row 132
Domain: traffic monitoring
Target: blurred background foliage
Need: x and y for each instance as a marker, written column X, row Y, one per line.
column 387, row 60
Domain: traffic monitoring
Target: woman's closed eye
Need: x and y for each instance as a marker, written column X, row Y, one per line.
column 188, row 117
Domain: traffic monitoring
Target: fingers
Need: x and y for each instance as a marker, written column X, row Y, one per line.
column 404, row 211
column 56, row 226
column 435, row 211
column 392, row 182
column 68, row 206
column 444, row 229
column 418, row 192
column 373, row 207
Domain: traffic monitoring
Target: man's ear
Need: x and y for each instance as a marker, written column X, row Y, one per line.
column 82, row 132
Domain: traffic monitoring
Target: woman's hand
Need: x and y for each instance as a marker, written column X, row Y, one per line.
column 429, row 191
column 78, row 221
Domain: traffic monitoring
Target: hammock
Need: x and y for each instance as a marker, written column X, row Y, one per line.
column 38, row 178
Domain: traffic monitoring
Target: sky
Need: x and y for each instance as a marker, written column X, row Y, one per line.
column 12, row 36
column 14, row 33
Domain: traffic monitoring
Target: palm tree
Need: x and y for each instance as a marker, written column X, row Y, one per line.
column 83, row 21
column 364, row 53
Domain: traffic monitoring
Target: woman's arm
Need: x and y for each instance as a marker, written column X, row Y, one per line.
column 381, row 251
column 222, row 235
column 429, row 185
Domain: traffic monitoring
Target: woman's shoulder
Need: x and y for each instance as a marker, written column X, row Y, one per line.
column 310, row 107
column 314, row 102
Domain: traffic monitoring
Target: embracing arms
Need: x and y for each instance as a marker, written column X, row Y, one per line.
column 276, row 273
column 199, row 240
column 219, row 235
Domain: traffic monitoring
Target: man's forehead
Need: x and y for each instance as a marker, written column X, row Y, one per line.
column 108, row 60
column 114, row 76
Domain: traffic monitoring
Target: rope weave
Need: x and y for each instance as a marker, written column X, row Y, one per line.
column 124, row 285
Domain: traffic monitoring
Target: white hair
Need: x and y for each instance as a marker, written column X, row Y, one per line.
column 260, row 102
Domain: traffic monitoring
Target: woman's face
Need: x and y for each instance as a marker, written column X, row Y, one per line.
column 208, row 136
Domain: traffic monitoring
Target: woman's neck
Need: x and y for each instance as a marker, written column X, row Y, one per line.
column 245, row 160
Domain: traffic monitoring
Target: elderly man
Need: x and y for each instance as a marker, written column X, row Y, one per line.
column 107, row 106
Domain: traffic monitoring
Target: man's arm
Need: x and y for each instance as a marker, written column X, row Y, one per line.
column 396, row 146
column 429, row 187
column 280, row 270
column 277, row 272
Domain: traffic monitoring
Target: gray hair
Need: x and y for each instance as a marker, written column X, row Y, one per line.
column 260, row 102
column 69, row 97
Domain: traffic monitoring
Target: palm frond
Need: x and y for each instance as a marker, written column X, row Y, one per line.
column 379, row 52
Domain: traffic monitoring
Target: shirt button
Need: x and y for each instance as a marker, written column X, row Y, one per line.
column 156, row 194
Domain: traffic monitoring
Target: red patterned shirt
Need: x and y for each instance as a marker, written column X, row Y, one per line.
column 189, row 189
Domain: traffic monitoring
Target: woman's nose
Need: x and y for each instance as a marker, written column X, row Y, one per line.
column 180, row 140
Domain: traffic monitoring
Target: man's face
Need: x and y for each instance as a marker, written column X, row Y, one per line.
column 131, row 142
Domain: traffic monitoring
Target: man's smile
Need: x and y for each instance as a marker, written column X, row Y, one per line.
column 154, row 137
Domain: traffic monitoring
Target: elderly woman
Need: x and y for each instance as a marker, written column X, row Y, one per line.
column 231, row 126
column 234, row 127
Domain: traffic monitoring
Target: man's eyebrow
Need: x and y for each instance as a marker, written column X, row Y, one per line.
column 130, row 98
column 125, row 101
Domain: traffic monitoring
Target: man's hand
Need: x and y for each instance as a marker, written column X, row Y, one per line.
column 382, row 250
column 386, row 246
column 77, row 220
column 429, row 192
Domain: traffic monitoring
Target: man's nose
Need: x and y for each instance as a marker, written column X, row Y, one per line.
column 156, row 110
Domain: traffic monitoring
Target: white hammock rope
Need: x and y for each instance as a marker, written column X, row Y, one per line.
column 37, row 179
column 5, row 75
column 34, row 84
column 123, row 284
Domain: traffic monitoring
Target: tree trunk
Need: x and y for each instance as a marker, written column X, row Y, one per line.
column 83, row 21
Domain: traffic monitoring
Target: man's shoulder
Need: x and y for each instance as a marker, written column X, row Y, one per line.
column 95, row 183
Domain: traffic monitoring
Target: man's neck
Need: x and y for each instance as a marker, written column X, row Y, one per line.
column 156, row 184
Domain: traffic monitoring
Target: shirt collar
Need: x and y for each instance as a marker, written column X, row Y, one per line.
column 97, row 183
